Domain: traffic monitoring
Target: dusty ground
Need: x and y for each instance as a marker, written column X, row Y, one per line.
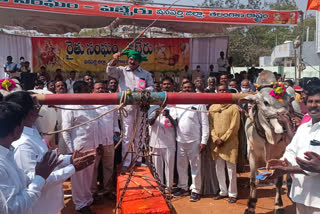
column 207, row 205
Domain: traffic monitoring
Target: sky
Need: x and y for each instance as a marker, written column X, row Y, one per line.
column 302, row 4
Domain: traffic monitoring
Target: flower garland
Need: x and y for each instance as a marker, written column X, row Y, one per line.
column 278, row 91
column 7, row 84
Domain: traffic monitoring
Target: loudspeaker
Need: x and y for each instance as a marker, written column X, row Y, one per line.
column 27, row 80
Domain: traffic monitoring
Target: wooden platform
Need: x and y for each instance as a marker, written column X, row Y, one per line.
column 138, row 200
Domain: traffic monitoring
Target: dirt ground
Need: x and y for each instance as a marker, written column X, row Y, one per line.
column 207, row 205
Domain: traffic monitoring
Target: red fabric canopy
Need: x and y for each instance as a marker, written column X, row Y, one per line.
column 61, row 16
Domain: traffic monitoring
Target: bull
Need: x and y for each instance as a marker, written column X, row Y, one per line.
column 266, row 138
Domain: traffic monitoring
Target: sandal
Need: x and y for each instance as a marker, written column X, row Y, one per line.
column 218, row 197
column 232, row 200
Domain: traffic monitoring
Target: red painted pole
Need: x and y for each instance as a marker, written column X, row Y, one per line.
column 78, row 99
column 134, row 98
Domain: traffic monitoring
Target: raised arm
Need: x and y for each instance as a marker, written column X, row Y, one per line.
column 112, row 70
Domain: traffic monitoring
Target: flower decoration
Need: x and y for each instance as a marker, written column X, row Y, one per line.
column 7, row 84
column 141, row 84
column 167, row 123
column 278, row 91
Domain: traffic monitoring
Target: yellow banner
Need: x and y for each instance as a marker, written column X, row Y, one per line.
column 93, row 54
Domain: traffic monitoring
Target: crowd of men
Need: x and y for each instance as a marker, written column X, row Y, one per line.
column 31, row 174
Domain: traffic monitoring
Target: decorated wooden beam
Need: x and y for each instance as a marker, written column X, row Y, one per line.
column 135, row 98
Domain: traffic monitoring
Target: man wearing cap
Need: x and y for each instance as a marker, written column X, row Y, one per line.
column 131, row 77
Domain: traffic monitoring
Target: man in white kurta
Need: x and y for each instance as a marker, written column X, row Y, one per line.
column 163, row 137
column 134, row 78
column 29, row 149
column 84, row 136
column 163, row 143
column 222, row 63
column 192, row 137
column 108, row 127
column 19, row 191
column 305, row 189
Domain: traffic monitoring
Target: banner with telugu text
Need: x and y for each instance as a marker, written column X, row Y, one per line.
column 93, row 54
column 122, row 10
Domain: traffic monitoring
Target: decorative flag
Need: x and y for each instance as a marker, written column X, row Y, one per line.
column 313, row 5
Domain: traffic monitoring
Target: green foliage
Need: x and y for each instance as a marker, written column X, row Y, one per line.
column 284, row 5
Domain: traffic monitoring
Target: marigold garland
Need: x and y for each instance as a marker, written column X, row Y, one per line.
column 7, row 84
column 278, row 91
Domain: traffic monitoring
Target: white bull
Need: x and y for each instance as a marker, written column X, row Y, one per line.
column 266, row 138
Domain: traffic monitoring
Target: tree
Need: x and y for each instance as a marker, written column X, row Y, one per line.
column 284, row 5
column 255, row 4
column 309, row 22
column 213, row 4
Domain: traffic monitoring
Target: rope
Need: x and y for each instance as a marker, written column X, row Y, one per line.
column 123, row 100
column 119, row 107
column 82, row 124
column 165, row 100
column 157, row 133
column 147, row 28
column 75, row 109
column 132, row 138
column 187, row 109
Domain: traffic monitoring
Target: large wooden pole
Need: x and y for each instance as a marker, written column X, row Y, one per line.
column 134, row 98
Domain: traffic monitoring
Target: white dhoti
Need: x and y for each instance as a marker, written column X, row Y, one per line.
column 128, row 132
column 189, row 153
column 164, row 157
column 303, row 209
column 221, row 175
column 81, row 187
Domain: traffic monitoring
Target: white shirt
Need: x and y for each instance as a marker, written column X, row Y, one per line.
column 222, row 64
column 108, row 125
column 192, row 126
column 10, row 68
column 29, row 150
column 305, row 189
column 129, row 79
column 3, row 204
column 20, row 192
column 160, row 136
column 87, row 135
column 70, row 83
